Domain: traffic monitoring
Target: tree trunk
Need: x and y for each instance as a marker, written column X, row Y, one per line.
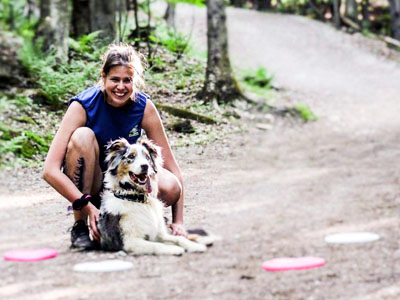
column 137, row 25
column 44, row 10
column 169, row 15
column 336, row 13
column 366, row 23
column 122, row 22
column 54, row 24
column 262, row 4
column 395, row 16
column 219, row 84
column 103, row 17
column 351, row 10
column 80, row 18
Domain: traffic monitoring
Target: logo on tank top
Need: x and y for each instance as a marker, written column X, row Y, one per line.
column 134, row 131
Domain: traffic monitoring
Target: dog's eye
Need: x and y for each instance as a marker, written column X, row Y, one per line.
column 131, row 156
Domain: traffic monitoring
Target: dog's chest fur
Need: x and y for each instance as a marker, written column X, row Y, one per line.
column 141, row 220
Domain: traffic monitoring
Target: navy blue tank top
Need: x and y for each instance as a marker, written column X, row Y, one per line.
column 110, row 123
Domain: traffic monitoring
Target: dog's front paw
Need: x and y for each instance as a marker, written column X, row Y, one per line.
column 195, row 247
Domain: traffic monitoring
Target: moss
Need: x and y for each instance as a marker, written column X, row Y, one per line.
column 183, row 113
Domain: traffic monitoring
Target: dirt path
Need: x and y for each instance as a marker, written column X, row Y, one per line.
column 268, row 194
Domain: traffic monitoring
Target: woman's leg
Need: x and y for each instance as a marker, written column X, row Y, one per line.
column 82, row 164
column 169, row 188
column 82, row 167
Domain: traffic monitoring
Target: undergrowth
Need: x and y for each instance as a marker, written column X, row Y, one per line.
column 257, row 81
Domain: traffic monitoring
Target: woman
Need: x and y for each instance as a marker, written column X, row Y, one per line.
column 113, row 109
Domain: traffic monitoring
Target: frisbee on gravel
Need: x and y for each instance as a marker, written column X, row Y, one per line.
column 30, row 254
column 103, row 266
column 351, row 237
column 293, row 263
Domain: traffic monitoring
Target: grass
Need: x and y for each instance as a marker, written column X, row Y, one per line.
column 305, row 112
column 257, row 81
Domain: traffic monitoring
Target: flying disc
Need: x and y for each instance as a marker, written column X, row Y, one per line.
column 351, row 237
column 111, row 265
column 292, row 263
column 30, row 254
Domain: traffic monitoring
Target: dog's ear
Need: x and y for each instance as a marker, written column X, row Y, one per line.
column 115, row 151
column 155, row 153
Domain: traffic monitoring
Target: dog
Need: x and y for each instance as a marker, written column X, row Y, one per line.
column 131, row 215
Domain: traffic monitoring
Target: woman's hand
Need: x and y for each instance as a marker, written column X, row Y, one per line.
column 93, row 213
column 178, row 229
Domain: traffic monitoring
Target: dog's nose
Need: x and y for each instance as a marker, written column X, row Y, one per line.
column 144, row 168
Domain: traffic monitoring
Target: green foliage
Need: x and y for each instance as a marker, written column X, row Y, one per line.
column 259, row 78
column 86, row 46
column 13, row 17
column 305, row 112
column 58, row 81
column 24, row 144
column 194, row 2
column 258, row 81
column 173, row 40
column 185, row 76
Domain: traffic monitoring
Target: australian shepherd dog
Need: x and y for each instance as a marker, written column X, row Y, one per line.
column 131, row 215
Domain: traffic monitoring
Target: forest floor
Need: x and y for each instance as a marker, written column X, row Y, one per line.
column 267, row 193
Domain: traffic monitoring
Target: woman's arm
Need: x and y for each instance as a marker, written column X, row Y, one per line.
column 74, row 118
column 155, row 131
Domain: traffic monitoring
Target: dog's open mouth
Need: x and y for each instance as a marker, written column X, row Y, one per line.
column 141, row 179
column 138, row 178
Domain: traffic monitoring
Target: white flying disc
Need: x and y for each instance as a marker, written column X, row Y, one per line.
column 103, row 266
column 293, row 263
column 351, row 237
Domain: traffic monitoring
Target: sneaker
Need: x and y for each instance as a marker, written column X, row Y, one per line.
column 80, row 239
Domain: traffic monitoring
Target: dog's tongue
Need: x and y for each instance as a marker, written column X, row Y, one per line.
column 148, row 186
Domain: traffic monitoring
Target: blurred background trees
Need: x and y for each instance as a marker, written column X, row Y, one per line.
column 56, row 20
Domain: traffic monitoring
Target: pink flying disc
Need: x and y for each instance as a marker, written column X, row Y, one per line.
column 30, row 254
column 292, row 263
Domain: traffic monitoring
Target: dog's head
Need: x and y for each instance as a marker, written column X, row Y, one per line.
column 132, row 167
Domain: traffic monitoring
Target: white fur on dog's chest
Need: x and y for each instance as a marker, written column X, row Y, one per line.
column 141, row 220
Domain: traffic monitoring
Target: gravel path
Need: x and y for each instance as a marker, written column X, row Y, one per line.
column 267, row 193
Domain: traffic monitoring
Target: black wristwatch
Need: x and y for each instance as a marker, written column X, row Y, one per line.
column 80, row 203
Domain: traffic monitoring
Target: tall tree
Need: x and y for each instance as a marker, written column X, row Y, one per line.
column 53, row 26
column 219, row 84
column 103, row 17
column 395, row 17
column 80, row 18
column 336, row 12
column 169, row 15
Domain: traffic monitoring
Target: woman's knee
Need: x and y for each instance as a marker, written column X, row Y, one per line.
column 170, row 189
column 83, row 139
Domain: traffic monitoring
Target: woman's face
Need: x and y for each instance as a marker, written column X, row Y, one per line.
column 118, row 85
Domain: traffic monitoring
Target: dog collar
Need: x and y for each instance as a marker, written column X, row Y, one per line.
column 140, row 198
